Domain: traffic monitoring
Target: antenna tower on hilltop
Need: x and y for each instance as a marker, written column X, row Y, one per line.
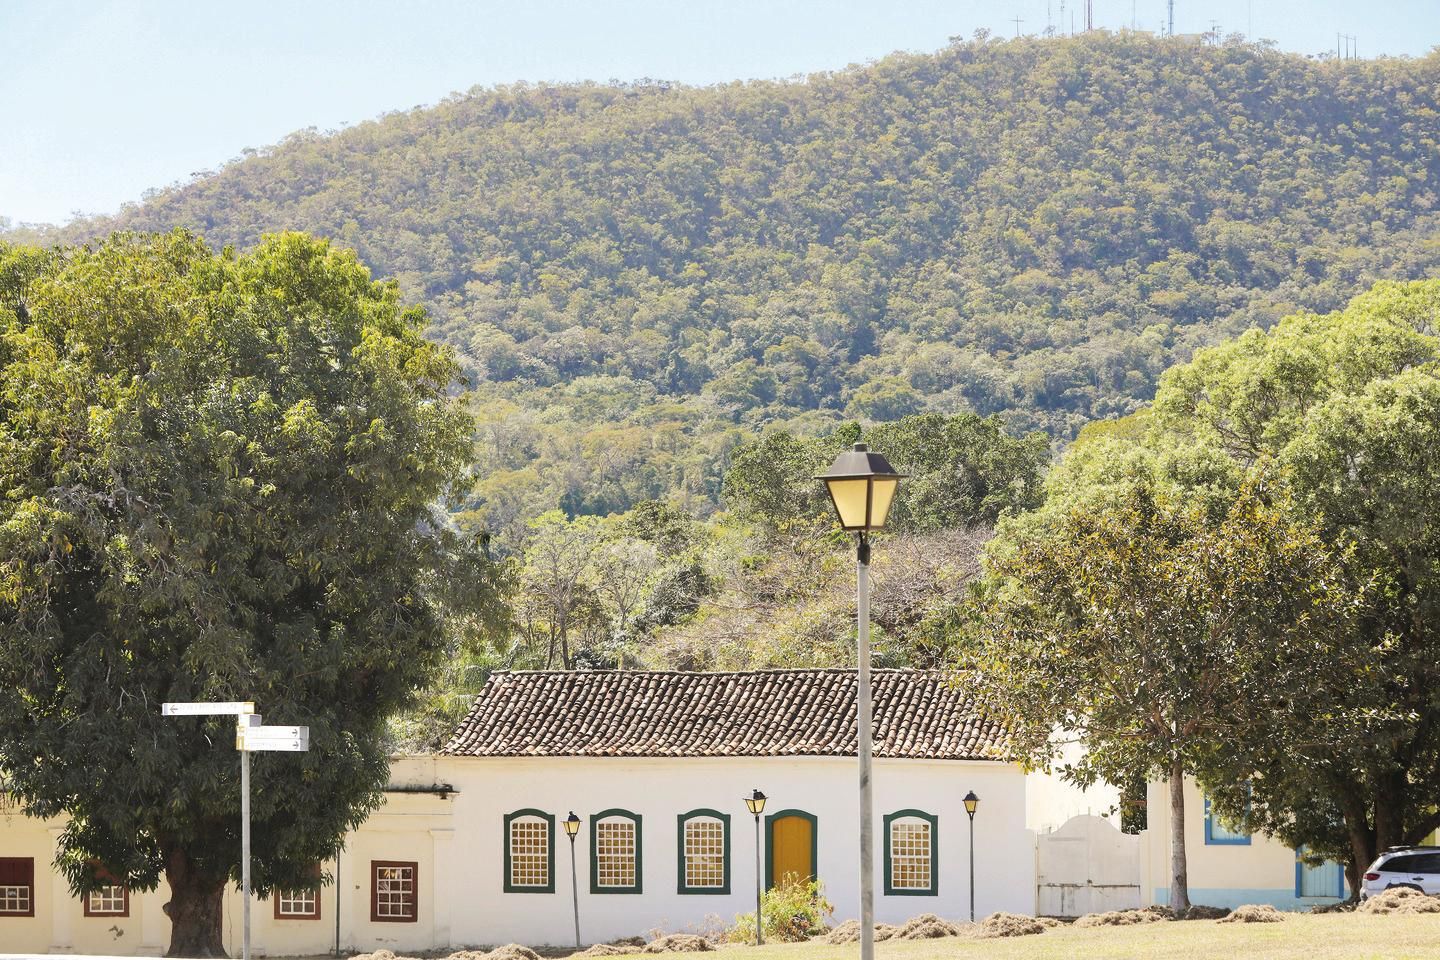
column 1089, row 15
column 1170, row 32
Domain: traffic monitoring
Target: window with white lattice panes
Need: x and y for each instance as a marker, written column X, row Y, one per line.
column 616, row 854
column 910, row 854
column 111, row 900
column 394, row 891
column 704, row 853
column 298, row 904
column 17, row 886
column 529, row 852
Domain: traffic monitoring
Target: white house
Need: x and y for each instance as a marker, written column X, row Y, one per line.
column 469, row 846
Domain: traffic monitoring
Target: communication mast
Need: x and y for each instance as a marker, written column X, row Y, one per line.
column 1089, row 15
column 1170, row 32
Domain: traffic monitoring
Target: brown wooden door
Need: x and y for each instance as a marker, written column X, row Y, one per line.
column 792, row 847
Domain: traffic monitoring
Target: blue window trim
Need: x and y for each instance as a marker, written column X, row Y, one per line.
column 1213, row 841
column 1300, row 873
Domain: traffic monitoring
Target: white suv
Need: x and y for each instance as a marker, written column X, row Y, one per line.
column 1414, row 867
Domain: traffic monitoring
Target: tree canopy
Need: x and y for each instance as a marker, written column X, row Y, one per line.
column 221, row 478
column 1343, row 410
column 638, row 276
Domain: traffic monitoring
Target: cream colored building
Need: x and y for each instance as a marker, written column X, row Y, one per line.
column 469, row 846
column 1229, row 867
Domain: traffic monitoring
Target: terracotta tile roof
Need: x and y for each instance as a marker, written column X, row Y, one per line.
column 762, row 713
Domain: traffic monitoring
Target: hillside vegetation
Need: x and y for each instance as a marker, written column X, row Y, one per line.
column 640, row 276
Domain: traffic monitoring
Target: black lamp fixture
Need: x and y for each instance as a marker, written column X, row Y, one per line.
column 862, row 486
column 972, row 803
column 755, row 803
column 572, row 829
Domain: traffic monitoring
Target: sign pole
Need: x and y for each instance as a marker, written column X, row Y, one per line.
column 249, row 735
column 245, row 843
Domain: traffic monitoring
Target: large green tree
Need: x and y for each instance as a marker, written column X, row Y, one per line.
column 1348, row 405
column 1150, row 625
column 220, row 476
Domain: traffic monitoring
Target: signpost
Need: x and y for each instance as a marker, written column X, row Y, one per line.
column 250, row 736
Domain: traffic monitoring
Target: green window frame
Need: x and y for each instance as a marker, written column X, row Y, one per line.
column 530, row 813
column 933, row 890
column 682, row 822
column 596, row 819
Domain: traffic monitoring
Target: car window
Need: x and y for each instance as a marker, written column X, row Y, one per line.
column 1405, row 864
column 1427, row 863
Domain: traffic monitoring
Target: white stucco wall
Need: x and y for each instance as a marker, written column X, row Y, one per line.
column 1051, row 801
column 659, row 790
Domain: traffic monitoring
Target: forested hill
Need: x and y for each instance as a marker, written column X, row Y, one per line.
column 639, row 275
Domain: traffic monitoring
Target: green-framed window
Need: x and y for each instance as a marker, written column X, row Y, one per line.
column 912, row 854
column 615, row 852
column 703, row 848
column 530, row 851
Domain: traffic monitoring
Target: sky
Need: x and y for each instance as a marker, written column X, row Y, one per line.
column 101, row 100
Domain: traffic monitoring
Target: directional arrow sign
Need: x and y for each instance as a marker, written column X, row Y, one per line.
column 218, row 709
column 295, row 739
column 289, row 746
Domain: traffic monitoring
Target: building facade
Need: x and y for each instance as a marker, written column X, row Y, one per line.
column 469, row 847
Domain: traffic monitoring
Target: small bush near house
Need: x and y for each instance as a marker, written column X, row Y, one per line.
column 794, row 910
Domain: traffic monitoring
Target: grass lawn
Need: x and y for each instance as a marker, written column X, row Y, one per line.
column 1300, row 937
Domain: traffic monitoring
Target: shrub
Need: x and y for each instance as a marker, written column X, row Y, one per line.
column 794, row 910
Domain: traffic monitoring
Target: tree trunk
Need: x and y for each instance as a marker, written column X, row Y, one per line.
column 195, row 908
column 1362, row 840
column 1179, row 874
column 1390, row 812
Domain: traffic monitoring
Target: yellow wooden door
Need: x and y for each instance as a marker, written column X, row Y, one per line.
column 792, row 848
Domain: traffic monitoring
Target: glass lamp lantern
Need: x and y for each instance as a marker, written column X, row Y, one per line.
column 862, row 487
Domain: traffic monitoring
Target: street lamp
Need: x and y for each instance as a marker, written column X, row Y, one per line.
column 862, row 487
column 756, row 804
column 971, row 803
column 572, row 827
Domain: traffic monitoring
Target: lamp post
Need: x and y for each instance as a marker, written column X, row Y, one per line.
column 862, row 486
column 572, row 828
column 971, row 803
column 756, row 804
